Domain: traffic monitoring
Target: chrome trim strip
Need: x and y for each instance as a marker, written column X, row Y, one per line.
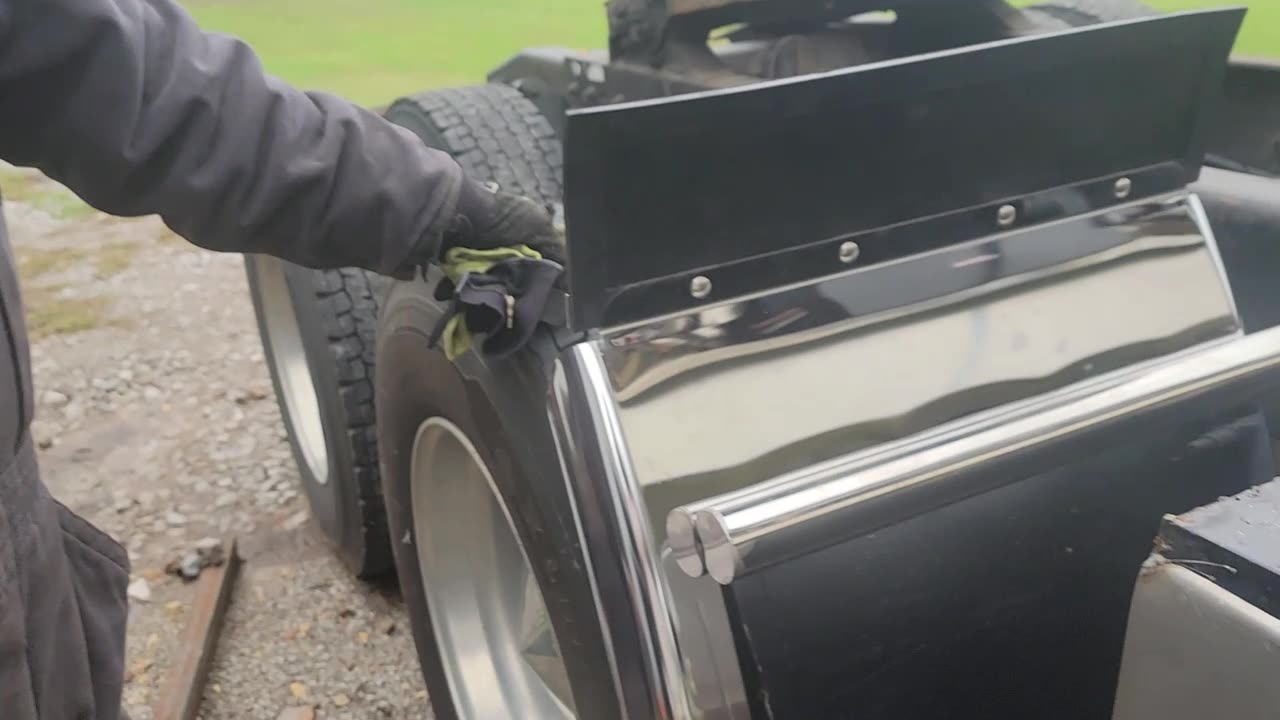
column 1201, row 218
column 566, row 448
column 764, row 524
column 683, row 540
column 634, row 542
column 1173, row 200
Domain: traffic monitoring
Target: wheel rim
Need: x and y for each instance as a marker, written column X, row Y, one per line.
column 289, row 359
column 499, row 651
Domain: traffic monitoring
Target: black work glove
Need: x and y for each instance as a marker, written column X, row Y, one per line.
column 489, row 218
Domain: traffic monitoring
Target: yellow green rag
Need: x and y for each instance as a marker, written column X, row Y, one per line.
column 459, row 261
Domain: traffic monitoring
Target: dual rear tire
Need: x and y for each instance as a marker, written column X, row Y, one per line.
column 459, row 490
column 318, row 327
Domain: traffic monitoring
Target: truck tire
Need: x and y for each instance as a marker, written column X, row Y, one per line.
column 318, row 329
column 1066, row 14
column 327, row 401
column 494, row 132
column 490, row 568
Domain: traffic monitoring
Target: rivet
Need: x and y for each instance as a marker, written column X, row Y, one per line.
column 1007, row 215
column 849, row 251
column 1124, row 186
column 700, row 287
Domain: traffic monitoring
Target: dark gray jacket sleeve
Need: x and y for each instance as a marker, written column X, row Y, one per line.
column 140, row 112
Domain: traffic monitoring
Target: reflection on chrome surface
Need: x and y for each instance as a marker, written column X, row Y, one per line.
column 860, row 492
column 733, row 395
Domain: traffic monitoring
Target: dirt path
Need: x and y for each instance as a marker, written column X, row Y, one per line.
column 156, row 421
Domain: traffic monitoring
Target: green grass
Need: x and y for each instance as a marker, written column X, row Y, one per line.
column 376, row 50
column 373, row 51
column 1260, row 36
column 48, row 311
column 1261, row 33
column 106, row 260
column 34, row 189
column 48, row 315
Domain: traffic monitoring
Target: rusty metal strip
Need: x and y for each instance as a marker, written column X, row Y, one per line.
column 181, row 695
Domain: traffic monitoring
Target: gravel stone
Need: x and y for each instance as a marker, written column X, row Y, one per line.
column 45, row 433
column 140, row 590
column 53, row 398
column 272, row 646
column 297, row 520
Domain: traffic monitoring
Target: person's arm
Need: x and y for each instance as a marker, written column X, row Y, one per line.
column 137, row 110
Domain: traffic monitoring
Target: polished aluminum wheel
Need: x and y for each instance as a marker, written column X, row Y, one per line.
column 288, row 357
column 491, row 626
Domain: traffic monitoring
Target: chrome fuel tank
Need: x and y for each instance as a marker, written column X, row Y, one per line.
column 714, row 410
column 795, row 371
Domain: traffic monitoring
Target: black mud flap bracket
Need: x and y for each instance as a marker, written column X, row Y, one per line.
column 676, row 203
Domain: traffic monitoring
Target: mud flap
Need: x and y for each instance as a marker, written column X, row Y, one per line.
column 760, row 186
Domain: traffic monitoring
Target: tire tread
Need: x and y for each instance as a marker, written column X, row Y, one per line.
column 492, row 131
column 349, row 301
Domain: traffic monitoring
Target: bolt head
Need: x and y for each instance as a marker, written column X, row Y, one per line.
column 1007, row 215
column 849, row 252
column 1123, row 187
column 700, row 287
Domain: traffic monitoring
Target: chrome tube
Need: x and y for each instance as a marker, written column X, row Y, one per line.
column 606, row 496
column 847, row 497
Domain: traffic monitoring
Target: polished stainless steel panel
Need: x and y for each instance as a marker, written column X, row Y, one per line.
column 858, row 495
column 718, row 401
column 738, row 394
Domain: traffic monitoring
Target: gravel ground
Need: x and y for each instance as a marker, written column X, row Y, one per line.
column 157, row 422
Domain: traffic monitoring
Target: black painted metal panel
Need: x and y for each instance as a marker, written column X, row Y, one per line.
column 670, row 187
column 1244, row 211
column 1011, row 604
column 1247, row 130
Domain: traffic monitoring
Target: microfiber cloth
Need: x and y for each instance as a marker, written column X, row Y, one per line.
column 499, row 293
